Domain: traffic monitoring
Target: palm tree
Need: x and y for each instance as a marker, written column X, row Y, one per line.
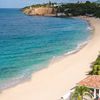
column 95, row 67
column 95, row 70
column 80, row 93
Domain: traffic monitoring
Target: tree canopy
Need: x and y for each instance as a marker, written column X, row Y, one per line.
column 73, row 9
column 77, row 9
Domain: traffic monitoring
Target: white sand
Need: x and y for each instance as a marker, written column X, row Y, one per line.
column 52, row 83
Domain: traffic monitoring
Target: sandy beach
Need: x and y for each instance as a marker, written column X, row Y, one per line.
column 53, row 82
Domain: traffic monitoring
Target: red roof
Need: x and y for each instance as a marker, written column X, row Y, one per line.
column 92, row 81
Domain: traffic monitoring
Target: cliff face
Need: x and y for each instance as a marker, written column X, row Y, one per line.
column 41, row 11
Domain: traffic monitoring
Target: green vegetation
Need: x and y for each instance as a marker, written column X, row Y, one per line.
column 73, row 9
column 50, row 4
column 76, row 9
column 80, row 93
column 96, row 67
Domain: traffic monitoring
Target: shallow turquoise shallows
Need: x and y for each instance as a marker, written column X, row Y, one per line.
column 28, row 44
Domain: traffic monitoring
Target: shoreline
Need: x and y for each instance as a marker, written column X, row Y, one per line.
column 80, row 45
column 53, row 82
column 74, row 51
column 53, row 60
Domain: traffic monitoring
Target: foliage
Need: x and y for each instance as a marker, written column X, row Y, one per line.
column 77, row 9
column 96, row 67
column 80, row 93
column 74, row 9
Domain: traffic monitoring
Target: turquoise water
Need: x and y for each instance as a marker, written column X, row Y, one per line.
column 28, row 44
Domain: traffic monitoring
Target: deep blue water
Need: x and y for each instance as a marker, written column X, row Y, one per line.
column 28, row 43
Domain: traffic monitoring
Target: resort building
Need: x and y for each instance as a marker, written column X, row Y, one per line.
column 92, row 82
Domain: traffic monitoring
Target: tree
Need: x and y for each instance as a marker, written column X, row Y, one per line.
column 49, row 3
column 80, row 93
column 95, row 70
column 95, row 67
column 75, row 9
column 88, row 2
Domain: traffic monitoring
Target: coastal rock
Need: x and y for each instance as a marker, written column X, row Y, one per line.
column 41, row 11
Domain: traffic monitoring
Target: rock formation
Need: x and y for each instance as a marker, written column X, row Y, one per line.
column 41, row 11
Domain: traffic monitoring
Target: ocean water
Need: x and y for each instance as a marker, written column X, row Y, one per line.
column 28, row 44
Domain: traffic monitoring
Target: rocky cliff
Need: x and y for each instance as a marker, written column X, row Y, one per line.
column 41, row 11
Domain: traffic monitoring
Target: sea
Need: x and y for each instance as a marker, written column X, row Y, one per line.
column 29, row 43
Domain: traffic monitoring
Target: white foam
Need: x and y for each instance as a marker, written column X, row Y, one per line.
column 15, row 80
column 89, row 28
column 78, row 48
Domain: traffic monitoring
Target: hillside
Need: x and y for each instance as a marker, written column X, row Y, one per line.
column 88, row 8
